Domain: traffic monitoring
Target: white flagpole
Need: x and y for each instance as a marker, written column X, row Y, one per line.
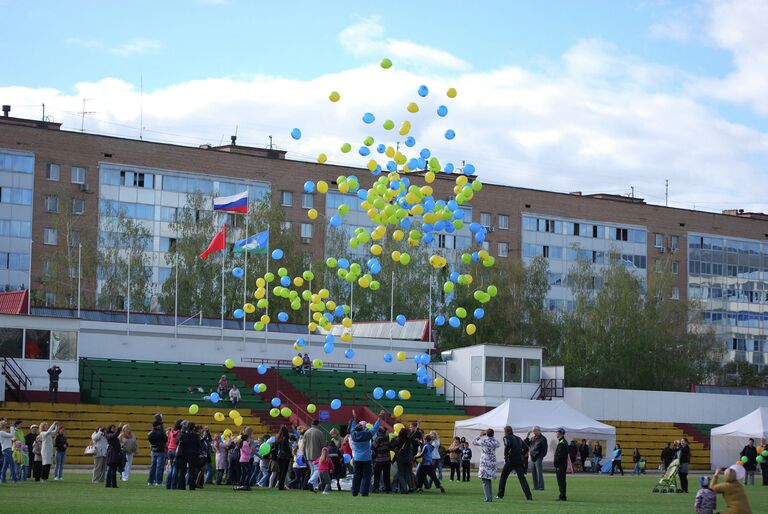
column 223, row 258
column 391, row 310
column 176, row 297
column 79, row 274
column 266, row 328
column 128, row 303
column 309, row 312
column 429, row 321
column 245, row 276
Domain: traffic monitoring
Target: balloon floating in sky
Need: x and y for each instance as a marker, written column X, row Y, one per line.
column 385, row 63
column 296, row 134
column 334, row 96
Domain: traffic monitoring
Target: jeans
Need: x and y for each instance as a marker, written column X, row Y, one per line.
column 596, row 460
column 111, row 479
column 560, row 473
column 381, row 472
column 456, row 468
column 361, row 480
column 264, row 467
column 636, row 470
column 170, row 480
column 209, row 472
column 314, row 476
column 156, row 467
column 465, row 470
column 538, row 474
column 427, row 471
column 59, row 469
column 488, row 489
column 22, row 472
column 508, row 468
column 8, row 464
column 245, row 473
column 127, row 468
column 439, row 469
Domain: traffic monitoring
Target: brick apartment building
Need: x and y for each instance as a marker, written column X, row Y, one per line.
column 720, row 259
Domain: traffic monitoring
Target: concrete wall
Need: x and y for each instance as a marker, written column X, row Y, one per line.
column 629, row 405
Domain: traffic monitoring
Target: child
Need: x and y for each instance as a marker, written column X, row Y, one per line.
column 466, row 457
column 25, row 464
column 325, row 469
column 220, row 447
column 706, row 499
column 18, row 459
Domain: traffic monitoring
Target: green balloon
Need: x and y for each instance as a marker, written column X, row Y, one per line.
column 265, row 448
column 461, row 312
column 405, row 259
column 258, row 326
column 466, row 258
column 492, row 291
column 308, row 276
column 744, row 459
column 374, row 285
column 306, row 295
column 388, row 125
column 269, row 277
column 282, row 272
column 342, row 273
column 330, row 262
column 448, row 287
column 765, row 453
column 355, row 268
column 346, row 147
column 368, row 141
column 262, row 304
column 414, row 234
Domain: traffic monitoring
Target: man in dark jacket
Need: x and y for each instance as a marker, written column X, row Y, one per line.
column 538, row 445
column 667, row 455
column 157, row 441
column 187, row 456
column 561, row 462
column 381, row 462
column 29, row 440
column 583, row 454
column 750, row 452
column 53, row 382
column 513, row 461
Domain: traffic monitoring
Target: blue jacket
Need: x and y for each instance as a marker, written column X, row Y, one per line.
column 360, row 441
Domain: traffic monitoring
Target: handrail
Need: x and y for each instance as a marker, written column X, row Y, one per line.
column 93, row 375
column 446, row 383
column 301, row 413
column 16, row 376
column 549, row 388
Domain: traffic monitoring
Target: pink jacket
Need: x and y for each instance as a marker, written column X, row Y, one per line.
column 245, row 452
column 326, row 466
column 221, row 453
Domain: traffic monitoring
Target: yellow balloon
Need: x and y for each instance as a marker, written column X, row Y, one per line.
column 234, row 414
column 296, row 347
column 322, row 158
column 265, row 319
column 335, row 96
column 229, row 363
column 297, row 361
column 311, row 408
column 439, row 382
column 249, row 308
column 398, row 411
column 218, row 416
column 238, row 421
column 429, row 177
column 404, row 394
column 260, row 282
column 413, row 107
column 298, row 281
column 324, row 293
column 400, row 356
column 349, row 382
column 312, row 327
column 471, row 329
column 346, row 336
column 376, row 249
column 396, row 256
column 398, row 235
column 347, row 322
column 405, row 128
column 330, row 305
column 312, row 214
column 322, row 186
column 398, row 427
column 451, row 92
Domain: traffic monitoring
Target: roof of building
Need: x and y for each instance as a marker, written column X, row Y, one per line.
column 14, row 302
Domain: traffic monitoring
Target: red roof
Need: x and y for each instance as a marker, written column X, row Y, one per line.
column 14, row 302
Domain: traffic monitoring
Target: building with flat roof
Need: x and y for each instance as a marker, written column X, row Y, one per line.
column 721, row 259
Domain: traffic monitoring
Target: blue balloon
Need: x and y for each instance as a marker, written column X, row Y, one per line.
column 378, row 393
column 335, row 404
column 238, row 314
column 276, row 402
column 255, row 389
column 328, row 316
column 349, row 353
column 387, row 357
column 347, row 457
column 454, row 322
column 362, row 194
column 424, row 379
column 329, row 338
column 454, row 276
column 394, row 185
column 400, row 320
column 439, row 224
column 423, row 91
column 425, row 153
column 238, row 272
column 475, row 257
column 421, row 371
column 390, row 394
column 405, row 222
column 479, row 237
column 296, row 133
column 309, row 186
column 343, row 263
column 458, row 214
column 215, row 397
column 381, row 148
column 277, row 254
column 368, row 118
column 285, row 281
column 391, row 165
column 335, row 221
column 425, row 359
column 262, row 369
column 282, row 316
column 428, row 238
column 469, row 169
column 450, row 228
column 475, row 227
column 440, row 320
column 338, row 311
column 410, row 141
column 421, row 163
column 450, row 134
column 413, row 163
column 442, row 111
column 328, row 347
column 448, row 168
column 364, row 150
column 479, row 313
column 301, row 342
column 324, row 415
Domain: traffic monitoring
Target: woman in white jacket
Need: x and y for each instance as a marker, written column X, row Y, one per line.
column 100, row 454
column 46, row 440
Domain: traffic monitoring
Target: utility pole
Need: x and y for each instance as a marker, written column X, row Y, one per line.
column 666, row 193
column 83, row 113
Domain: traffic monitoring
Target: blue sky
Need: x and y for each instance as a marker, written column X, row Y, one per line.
column 588, row 95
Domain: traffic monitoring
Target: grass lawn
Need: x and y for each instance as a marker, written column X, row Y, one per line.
column 587, row 494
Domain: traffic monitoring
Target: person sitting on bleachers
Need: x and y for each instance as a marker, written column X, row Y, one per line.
column 234, row 395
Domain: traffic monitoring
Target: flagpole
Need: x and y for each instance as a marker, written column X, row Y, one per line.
column 128, row 303
column 309, row 311
column 245, row 276
column 79, row 274
column 391, row 309
column 266, row 327
column 429, row 321
column 223, row 259
column 176, row 297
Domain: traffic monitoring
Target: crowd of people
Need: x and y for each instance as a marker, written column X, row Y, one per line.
column 32, row 455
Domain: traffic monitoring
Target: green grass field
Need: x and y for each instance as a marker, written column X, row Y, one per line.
column 588, row 495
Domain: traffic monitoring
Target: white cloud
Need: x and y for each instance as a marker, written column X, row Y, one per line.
column 676, row 30
column 740, row 27
column 596, row 120
column 85, row 43
column 366, row 38
column 136, row 46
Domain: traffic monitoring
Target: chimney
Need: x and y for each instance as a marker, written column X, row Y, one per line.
column 6, row 110
column 233, row 138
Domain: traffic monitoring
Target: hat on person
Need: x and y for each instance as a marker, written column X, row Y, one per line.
column 704, row 481
column 560, row 430
column 361, row 425
column 32, row 426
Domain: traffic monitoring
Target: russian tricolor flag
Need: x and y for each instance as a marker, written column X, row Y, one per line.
column 234, row 203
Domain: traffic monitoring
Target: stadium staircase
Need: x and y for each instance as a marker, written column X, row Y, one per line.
column 652, row 437
column 80, row 421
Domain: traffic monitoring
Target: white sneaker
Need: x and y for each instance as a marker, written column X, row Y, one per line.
column 325, row 492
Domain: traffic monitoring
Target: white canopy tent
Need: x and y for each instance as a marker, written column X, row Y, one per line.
column 727, row 441
column 522, row 415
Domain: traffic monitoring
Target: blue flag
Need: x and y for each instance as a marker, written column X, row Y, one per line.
column 257, row 243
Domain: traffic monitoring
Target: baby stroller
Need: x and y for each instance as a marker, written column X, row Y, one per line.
column 668, row 482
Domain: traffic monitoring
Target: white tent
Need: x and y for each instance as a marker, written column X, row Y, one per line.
column 522, row 415
column 727, row 441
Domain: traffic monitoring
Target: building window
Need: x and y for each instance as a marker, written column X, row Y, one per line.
column 52, row 171
column 674, row 242
column 531, row 371
column 675, row 267
column 50, row 236
column 307, row 200
column 15, row 195
column 513, row 369
column 503, row 222
column 50, row 299
column 675, row 293
column 78, row 175
column 486, row 245
column 658, row 240
column 285, row 226
column 46, row 268
column 529, row 223
column 78, row 206
column 574, row 229
column 503, row 249
column 37, row 344
column 494, row 368
column 306, row 231
column 11, row 340
column 286, row 198
column 622, row 234
column 74, row 238
column 52, row 204
column 63, row 345
column 657, row 265
column 485, row 219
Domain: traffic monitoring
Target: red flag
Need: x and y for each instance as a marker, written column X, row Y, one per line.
column 219, row 242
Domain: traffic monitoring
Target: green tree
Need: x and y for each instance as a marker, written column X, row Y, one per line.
column 124, row 265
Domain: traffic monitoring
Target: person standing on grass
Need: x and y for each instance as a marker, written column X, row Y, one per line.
column 37, row 464
column 130, row 448
column 173, row 438
column 29, row 441
column 325, row 468
column 114, row 454
column 466, row 461
column 360, row 441
column 561, row 463
column 6, row 442
column 616, row 462
column 314, row 441
column 513, row 461
column 583, row 454
column 382, row 463
column 427, row 467
column 538, row 446
column 245, row 460
column 733, row 492
column 100, row 454
column 283, row 455
column 685, row 461
column 706, row 498
column 46, row 448
column 157, row 441
column 187, row 456
column 486, row 471
column 636, row 461
column 597, row 455
column 750, row 452
column 454, row 454
column 404, row 458
column 61, row 445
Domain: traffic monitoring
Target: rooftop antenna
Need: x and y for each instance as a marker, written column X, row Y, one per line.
column 271, row 146
column 141, row 107
column 83, row 113
column 632, row 191
column 234, row 138
column 43, row 118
